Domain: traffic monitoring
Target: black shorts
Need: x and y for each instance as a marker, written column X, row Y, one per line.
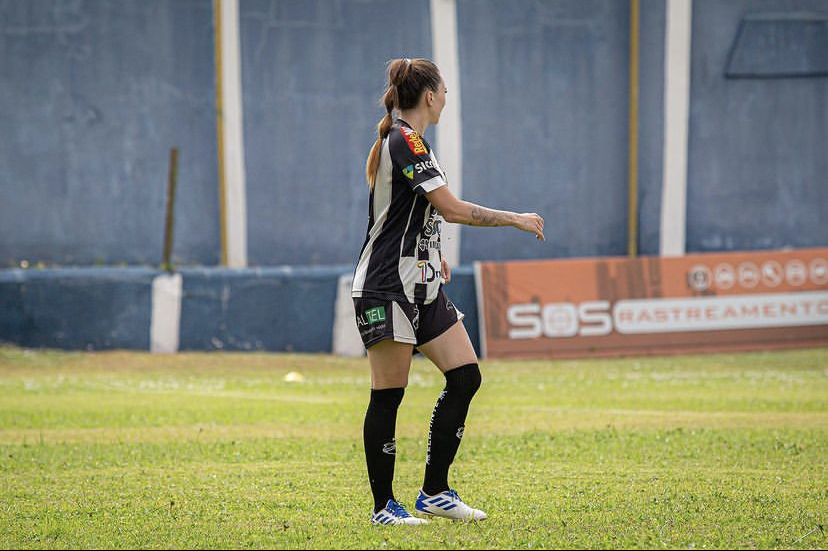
column 379, row 319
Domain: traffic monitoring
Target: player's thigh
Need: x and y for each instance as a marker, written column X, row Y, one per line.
column 390, row 364
column 450, row 349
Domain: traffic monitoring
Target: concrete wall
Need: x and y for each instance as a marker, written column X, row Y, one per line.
column 93, row 95
column 650, row 123
column 758, row 169
column 77, row 309
column 274, row 309
column 282, row 309
column 544, row 123
column 312, row 73
column 96, row 92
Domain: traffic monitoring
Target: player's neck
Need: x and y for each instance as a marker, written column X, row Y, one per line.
column 416, row 119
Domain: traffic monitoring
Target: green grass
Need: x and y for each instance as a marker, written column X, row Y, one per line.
column 216, row 450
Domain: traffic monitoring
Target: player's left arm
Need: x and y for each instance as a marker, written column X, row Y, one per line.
column 457, row 211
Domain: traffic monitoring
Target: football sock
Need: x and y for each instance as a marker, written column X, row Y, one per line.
column 380, row 446
column 447, row 425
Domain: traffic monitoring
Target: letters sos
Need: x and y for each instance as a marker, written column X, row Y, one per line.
column 559, row 319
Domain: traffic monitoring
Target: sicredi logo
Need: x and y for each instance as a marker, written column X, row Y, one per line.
column 409, row 172
column 421, row 167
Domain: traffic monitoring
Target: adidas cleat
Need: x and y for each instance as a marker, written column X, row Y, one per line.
column 447, row 504
column 395, row 513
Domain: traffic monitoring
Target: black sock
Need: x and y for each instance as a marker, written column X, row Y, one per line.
column 380, row 447
column 447, row 425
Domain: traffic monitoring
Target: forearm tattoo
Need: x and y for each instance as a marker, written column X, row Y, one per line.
column 482, row 216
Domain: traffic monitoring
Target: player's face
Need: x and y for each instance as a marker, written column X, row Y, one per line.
column 438, row 102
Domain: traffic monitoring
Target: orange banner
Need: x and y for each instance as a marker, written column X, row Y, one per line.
column 653, row 305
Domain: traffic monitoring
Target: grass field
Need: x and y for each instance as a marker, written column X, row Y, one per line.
column 216, row 450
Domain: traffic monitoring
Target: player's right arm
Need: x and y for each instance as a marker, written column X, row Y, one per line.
column 457, row 211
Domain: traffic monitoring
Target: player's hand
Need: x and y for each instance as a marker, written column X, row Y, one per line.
column 444, row 266
column 532, row 223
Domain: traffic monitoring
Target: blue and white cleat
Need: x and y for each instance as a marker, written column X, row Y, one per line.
column 447, row 504
column 395, row 513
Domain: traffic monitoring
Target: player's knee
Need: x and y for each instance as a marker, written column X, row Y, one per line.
column 464, row 380
column 386, row 400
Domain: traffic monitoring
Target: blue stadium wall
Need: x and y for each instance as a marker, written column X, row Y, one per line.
column 93, row 96
column 274, row 309
column 95, row 93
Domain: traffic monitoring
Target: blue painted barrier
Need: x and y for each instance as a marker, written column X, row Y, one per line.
column 280, row 309
column 77, row 309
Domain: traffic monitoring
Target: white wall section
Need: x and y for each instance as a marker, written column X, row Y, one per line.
column 166, row 313
column 346, row 339
column 676, row 119
column 449, row 131
column 231, row 134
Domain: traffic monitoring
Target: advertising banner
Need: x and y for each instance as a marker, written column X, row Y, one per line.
column 653, row 305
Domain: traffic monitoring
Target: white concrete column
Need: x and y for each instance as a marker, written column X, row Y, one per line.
column 165, row 321
column 676, row 121
column 346, row 339
column 449, row 130
column 230, row 123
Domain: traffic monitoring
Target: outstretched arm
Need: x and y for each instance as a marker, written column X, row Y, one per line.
column 457, row 211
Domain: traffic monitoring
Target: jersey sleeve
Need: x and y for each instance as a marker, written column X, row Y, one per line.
column 411, row 155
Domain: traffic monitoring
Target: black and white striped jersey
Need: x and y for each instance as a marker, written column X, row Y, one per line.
column 400, row 259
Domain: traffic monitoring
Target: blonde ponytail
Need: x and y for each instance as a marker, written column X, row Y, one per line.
column 383, row 127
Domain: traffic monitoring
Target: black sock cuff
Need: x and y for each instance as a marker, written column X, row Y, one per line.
column 465, row 375
column 389, row 398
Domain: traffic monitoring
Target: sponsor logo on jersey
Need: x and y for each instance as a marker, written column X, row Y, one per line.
column 425, row 243
column 432, row 225
column 421, row 167
column 414, row 141
column 427, row 272
column 371, row 316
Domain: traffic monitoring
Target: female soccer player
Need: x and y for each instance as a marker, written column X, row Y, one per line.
column 398, row 292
